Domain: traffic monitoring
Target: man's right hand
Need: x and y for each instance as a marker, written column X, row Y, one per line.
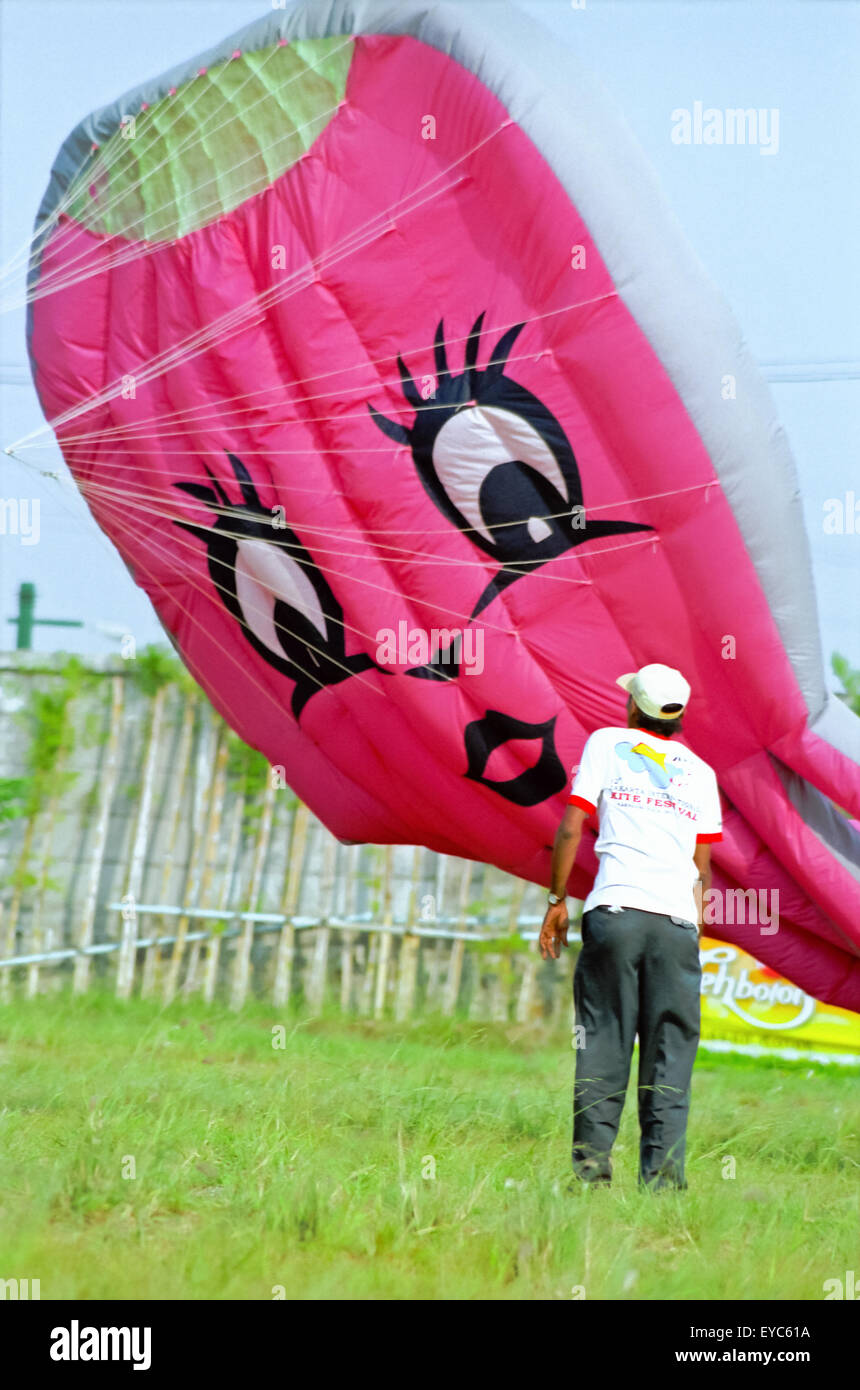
column 554, row 930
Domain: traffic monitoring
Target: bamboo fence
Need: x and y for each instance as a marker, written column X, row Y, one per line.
column 155, row 867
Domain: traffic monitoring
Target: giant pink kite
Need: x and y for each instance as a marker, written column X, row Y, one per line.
column 373, row 346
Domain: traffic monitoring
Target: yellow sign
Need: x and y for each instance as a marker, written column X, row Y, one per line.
column 743, row 1000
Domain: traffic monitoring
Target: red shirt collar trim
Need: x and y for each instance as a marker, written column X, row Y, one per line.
column 665, row 737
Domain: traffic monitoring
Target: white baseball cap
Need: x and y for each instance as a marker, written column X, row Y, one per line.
column 659, row 691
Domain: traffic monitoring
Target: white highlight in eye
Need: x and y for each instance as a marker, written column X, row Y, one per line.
column 264, row 573
column 473, row 442
column 538, row 529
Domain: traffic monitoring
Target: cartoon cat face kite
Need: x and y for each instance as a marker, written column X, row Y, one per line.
column 372, row 320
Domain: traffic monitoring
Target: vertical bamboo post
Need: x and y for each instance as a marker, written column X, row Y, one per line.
column 281, row 832
column 365, row 989
column 516, row 905
column 499, row 962
column 485, row 963
column 38, row 942
column 107, row 780
column 528, row 984
column 292, row 883
column 409, row 945
column 385, row 943
column 125, row 964
column 191, row 895
column 229, row 877
column 19, row 879
column 347, row 938
column 319, row 963
column 455, row 962
column 407, row 977
column 242, row 959
column 177, row 786
column 434, row 974
column 556, row 1007
column 15, row 906
column 479, row 1002
column 211, row 844
column 364, row 992
column 314, row 873
column 527, row 995
column 347, row 947
column 499, row 1002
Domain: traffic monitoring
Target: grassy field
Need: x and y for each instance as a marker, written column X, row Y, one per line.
column 177, row 1154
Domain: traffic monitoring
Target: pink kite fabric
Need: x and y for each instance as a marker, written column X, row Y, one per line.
column 441, row 497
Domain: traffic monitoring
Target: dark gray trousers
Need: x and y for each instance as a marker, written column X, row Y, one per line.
column 637, row 972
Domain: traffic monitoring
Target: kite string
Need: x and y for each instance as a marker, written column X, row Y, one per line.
column 705, row 486
column 124, row 144
column 414, row 559
column 53, row 281
column 115, row 503
column 118, row 500
column 198, row 588
column 375, row 640
column 119, row 508
column 108, row 432
column 192, row 415
column 218, row 328
column 147, row 249
column 247, row 673
column 279, row 292
column 118, row 512
column 216, row 406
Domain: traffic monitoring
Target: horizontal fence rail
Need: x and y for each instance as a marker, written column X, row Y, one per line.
column 270, row 922
column 508, row 989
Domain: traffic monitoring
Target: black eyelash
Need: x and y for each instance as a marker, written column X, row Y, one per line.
column 450, row 390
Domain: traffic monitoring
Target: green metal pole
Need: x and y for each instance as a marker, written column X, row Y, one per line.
column 27, row 620
column 26, row 612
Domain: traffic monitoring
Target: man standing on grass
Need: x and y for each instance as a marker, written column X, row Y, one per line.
column 638, row 970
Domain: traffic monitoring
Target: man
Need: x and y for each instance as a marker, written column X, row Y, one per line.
column 638, row 970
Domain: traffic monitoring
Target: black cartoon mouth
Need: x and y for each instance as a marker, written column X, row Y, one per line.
column 535, row 784
column 497, row 463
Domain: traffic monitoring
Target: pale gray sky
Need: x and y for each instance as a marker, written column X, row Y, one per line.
column 777, row 233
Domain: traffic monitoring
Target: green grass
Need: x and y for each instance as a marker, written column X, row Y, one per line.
column 310, row 1166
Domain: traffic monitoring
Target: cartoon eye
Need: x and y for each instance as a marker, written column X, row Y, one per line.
column 264, row 574
column 496, row 462
column 476, row 440
column 269, row 583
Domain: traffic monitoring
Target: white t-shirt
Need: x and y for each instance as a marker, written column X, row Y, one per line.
column 656, row 800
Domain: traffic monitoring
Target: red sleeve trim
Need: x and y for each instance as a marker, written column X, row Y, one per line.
column 582, row 803
column 709, row 839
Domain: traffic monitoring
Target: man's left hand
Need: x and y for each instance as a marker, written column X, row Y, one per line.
column 554, row 930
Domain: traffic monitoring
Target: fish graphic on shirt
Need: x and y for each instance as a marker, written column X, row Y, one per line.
column 641, row 757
